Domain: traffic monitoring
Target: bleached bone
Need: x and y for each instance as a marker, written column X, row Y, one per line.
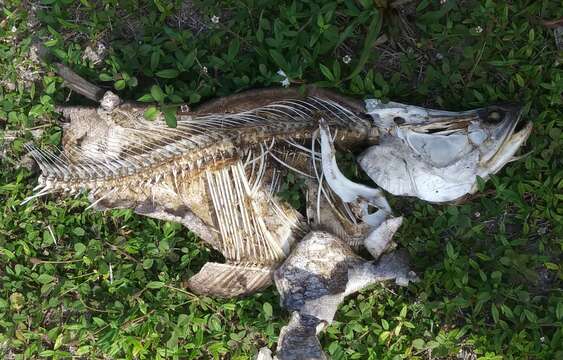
column 437, row 155
column 381, row 237
column 347, row 190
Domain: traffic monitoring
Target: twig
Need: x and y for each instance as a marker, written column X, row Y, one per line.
column 115, row 248
column 181, row 290
column 52, row 234
column 552, row 24
column 78, row 84
column 36, row 261
column 94, row 309
column 477, row 61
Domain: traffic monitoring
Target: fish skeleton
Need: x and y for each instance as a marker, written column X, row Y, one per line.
column 219, row 170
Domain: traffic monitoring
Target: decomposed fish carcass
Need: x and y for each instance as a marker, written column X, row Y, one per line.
column 219, row 170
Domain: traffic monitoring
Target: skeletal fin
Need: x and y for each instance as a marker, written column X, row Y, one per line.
column 229, row 280
column 253, row 226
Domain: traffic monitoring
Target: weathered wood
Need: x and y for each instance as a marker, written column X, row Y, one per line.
column 78, row 84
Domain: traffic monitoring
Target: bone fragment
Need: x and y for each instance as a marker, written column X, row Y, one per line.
column 347, row 190
column 380, row 238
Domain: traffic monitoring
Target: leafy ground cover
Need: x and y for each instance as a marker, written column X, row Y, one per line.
column 81, row 284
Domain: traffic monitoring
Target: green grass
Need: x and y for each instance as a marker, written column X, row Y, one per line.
column 82, row 284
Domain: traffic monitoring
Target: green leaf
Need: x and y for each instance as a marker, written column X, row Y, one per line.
column 80, row 248
column 418, row 344
column 45, row 279
column 50, row 89
column 157, row 93
column 234, row 47
column 120, row 84
column 10, row 255
column 58, row 341
column 147, row 263
column 170, row 118
column 78, row 231
column 268, row 311
column 155, row 59
column 105, row 77
column 132, row 82
column 151, row 113
column 373, row 32
column 146, row 98
column 189, row 60
column 98, row 321
column 520, row 80
column 279, row 60
column 168, row 73
column 326, row 72
column 494, row 312
column 155, row 284
column 83, row 350
column 403, row 312
column 480, row 183
column 51, row 43
column 194, row 98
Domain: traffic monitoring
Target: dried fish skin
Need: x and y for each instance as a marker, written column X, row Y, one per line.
column 298, row 339
column 316, row 277
column 323, row 269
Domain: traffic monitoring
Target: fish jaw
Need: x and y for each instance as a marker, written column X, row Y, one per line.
column 437, row 155
column 506, row 153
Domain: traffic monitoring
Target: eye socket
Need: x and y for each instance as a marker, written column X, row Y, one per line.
column 399, row 120
column 494, row 116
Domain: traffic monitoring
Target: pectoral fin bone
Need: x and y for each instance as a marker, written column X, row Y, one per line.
column 347, row 190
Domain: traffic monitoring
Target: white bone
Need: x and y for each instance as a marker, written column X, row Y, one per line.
column 347, row 190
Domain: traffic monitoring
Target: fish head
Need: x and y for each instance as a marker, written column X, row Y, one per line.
column 437, row 155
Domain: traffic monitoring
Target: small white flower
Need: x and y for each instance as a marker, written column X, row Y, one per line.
column 542, row 339
column 185, row 108
column 439, row 56
column 443, row 2
column 478, row 29
column 285, row 82
column 477, row 214
column 204, row 69
column 14, row 28
column 215, row 19
column 346, row 59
